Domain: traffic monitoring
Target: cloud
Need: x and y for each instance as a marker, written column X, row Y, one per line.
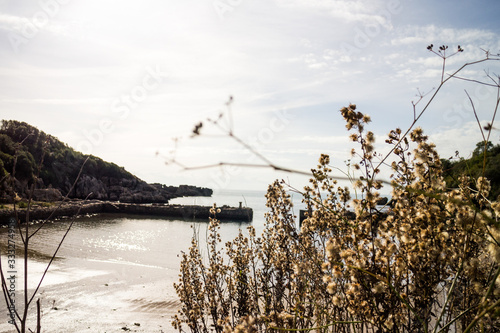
column 462, row 139
column 51, row 101
column 348, row 11
column 29, row 27
column 11, row 23
column 468, row 38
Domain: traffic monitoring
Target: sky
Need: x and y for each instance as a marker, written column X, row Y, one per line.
column 127, row 81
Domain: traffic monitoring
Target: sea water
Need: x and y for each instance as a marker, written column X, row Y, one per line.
column 117, row 272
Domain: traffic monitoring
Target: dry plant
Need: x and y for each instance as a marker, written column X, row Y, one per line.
column 19, row 312
column 428, row 263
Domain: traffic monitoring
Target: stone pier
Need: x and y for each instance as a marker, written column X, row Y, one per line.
column 73, row 208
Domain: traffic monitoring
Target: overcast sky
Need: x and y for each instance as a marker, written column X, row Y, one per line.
column 120, row 79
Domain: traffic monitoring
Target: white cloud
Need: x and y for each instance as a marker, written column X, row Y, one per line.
column 349, row 11
column 51, row 101
column 468, row 38
column 318, row 139
column 29, row 27
column 462, row 139
column 11, row 22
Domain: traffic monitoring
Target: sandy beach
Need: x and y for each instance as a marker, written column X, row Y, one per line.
column 103, row 296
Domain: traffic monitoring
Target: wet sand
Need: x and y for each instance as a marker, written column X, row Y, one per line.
column 103, row 296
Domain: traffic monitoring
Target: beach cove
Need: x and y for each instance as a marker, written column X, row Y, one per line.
column 115, row 271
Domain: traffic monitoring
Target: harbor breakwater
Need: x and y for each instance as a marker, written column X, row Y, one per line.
column 69, row 209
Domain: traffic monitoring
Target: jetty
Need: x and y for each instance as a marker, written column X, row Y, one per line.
column 90, row 207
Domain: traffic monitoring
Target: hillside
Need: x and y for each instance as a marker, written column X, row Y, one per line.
column 473, row 167
column 59, row 165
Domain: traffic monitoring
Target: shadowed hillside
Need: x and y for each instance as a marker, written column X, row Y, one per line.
column 473, row 167
column 59, row 165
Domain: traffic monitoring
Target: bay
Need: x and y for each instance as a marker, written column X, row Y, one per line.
column 117, row 272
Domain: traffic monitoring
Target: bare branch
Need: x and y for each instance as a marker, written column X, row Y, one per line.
column 62, row 201
column 248, row 165
column 475, row 115
column 476, row 81
column 54, row 254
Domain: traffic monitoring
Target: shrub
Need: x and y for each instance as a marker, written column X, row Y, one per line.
column 22, row 204
column 429, row 263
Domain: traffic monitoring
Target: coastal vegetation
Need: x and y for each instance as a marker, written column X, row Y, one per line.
column 485, row 157
column 59, row 162
column 51, row 166
column 431, row 263
column 428, row 263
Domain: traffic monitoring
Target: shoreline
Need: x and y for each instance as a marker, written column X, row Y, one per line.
column 89, row 207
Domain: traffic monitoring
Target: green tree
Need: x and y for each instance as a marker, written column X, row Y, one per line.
column 480, row 148
column 481, row 162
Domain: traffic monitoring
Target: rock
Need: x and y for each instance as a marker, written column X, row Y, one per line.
column 188, row 190
column 87, row 185
column 382, row 201
column 47, row 194
column 105, row 188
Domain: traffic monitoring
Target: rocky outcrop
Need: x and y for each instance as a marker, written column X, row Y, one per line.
column 190, row 191
column 107, row 189
column 88, row 185
column 132, row 190
column 47, row 194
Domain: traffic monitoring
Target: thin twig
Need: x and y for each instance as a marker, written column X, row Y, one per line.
column 475, row 115
column 63, row 200
column 448, row 296
column 55, row 253
column 476, row 81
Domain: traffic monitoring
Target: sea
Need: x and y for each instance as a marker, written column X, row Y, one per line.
column 115, row 273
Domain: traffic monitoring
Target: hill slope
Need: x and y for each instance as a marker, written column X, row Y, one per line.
column 473, row 167
column 58, row 165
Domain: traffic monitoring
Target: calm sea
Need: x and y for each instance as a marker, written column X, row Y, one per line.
column 117, row 272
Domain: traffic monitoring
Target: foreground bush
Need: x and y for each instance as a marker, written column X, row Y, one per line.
column 428, row 263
